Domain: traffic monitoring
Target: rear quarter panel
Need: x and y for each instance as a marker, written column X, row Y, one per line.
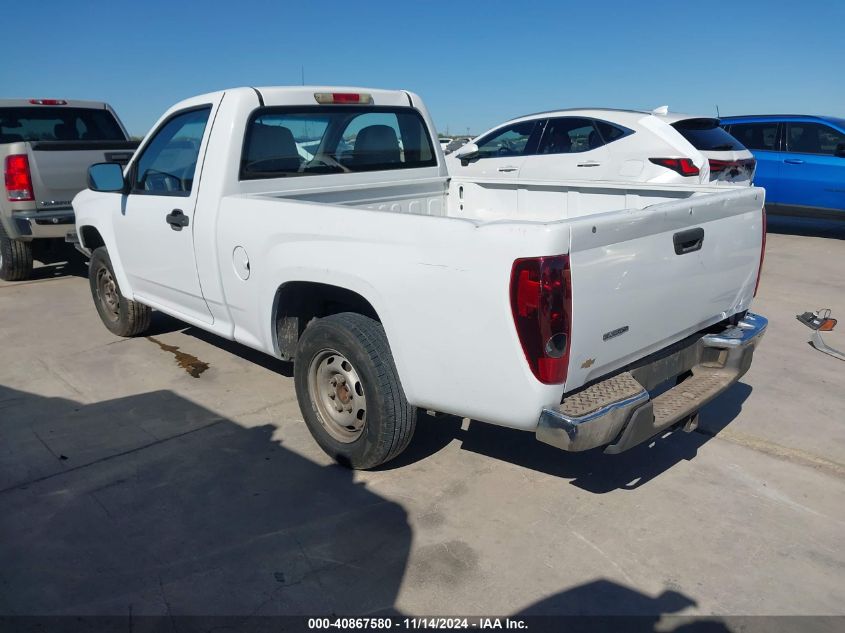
column 439, row 285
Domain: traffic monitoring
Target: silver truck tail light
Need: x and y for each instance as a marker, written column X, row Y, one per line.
column 18, row 178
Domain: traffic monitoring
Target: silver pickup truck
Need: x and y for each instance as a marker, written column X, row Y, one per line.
column 46, row 146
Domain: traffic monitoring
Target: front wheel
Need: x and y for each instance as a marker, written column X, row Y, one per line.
column 349, row 391
column 120, row 315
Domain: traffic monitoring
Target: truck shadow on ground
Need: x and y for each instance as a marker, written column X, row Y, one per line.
column 631, row 610
column 150, row 508
column 592, row 471
column 165, row 324
column 58, row 260
column 150, row 504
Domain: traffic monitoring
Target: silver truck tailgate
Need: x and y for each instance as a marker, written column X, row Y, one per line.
column 59, row 169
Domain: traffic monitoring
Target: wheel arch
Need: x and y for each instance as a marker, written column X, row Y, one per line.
column 296, row 303
column 90, row 239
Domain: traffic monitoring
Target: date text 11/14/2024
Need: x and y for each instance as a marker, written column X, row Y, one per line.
column 349, row 624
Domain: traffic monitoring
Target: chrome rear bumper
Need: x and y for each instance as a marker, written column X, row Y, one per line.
column 619, row 412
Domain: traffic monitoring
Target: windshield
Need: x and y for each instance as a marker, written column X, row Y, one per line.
column 40, row 123
column 308, row 140
column 705, row 134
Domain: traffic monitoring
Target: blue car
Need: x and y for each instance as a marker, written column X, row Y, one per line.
column 800, row 161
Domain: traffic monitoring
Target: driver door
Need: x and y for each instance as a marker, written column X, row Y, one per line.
column 155, row 225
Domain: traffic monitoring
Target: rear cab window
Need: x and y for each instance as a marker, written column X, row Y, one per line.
column 60, row 123
column 289, row 141
column 706, row 135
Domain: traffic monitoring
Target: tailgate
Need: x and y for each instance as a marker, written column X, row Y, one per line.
column 60, row 168
column 641, row 279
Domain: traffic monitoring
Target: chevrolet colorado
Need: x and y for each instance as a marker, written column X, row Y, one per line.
column 316, row 224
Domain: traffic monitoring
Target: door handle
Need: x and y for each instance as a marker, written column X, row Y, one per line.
column 793, row 161
column 177, row 219
column 688, row 241
column 507, row 169
column 591, row 163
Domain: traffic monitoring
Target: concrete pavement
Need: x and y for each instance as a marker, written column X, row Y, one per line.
column 128, row 485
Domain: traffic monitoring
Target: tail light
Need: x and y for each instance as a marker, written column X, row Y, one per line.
column 683, row 166
column 762, row 253
column 717, row 166
column 541, row 302
column 18, row 178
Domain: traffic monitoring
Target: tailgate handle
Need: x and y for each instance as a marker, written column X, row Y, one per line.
column 688, row 241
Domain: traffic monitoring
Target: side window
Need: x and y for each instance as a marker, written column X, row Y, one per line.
column 568, row 135
column 760, row 136
column 513, row 140
column 812, row 138
column 166, row 166
column 610, row 132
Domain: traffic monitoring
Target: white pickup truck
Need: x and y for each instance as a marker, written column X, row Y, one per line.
column 318, row 225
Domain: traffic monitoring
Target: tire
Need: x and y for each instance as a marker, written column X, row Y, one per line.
column 352, row 350
column 15, row 258
column 120, row 315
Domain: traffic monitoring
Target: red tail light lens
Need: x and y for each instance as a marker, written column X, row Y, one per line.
column 762, row 253
column 18, row 178
column 717, row 166
column 541, row 302
column 48, row 102
column 683, row 166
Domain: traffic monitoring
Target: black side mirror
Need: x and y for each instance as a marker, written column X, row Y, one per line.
column 840, row 150
column 106, row 177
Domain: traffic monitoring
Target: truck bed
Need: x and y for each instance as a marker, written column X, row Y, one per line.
column 625, row 272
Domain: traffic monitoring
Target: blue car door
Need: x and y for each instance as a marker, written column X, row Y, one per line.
column 761, row 137
column 812, row 174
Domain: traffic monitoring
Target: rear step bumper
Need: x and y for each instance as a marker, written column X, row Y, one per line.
column 619, row 411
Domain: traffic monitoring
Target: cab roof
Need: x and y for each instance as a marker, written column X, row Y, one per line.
column 65, row 103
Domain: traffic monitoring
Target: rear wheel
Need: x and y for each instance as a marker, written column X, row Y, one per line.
column 15, row 258
column 349, row 391
column 120, row 315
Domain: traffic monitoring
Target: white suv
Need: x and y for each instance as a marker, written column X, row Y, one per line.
column 605, row 145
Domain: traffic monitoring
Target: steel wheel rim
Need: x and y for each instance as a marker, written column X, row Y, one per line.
column 337, row 392
column 107, row 293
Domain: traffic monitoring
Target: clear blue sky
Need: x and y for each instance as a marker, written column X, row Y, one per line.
column 475, row 64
